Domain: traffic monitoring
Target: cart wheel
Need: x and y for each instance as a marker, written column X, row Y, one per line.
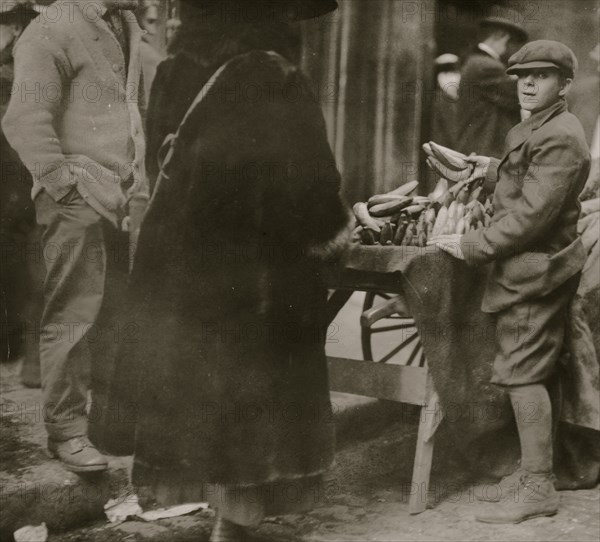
column 391, row 323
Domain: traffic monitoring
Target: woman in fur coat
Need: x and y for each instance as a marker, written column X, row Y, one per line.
column 227, row 370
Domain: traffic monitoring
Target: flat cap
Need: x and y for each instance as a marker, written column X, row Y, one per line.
column 543, row 54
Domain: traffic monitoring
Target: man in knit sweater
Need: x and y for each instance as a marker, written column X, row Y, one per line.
column 75, row 122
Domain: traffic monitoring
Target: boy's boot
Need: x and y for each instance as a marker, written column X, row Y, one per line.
column 499, row 491
column 533, row 494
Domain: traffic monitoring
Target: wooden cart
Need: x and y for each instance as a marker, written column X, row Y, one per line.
column 410, row 383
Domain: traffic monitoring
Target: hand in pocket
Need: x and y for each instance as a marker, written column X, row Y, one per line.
column 71, row 195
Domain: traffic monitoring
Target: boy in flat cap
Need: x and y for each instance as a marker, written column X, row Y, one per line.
column 537, row 258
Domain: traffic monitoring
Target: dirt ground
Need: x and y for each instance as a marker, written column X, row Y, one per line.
column 367, row 500
column 366, row 497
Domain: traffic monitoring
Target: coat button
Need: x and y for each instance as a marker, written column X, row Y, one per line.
column 116, row 67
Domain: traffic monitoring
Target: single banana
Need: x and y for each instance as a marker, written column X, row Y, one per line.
column 404, row 189
column 447, row 173
column 451, row 159
column 361, row 212
column 386, row 198
column 390, row 208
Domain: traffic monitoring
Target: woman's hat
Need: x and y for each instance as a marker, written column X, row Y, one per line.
column 255, row 10
column 17, row 11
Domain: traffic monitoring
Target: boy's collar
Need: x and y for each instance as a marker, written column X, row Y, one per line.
column 522, row 131
column 540, row 117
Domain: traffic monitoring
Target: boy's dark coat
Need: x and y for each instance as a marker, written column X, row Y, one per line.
column 226, row 301
column 533, row 236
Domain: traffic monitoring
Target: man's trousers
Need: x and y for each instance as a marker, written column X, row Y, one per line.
column 86, row 261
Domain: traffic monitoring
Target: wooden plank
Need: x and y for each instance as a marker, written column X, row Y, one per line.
column 417, row 502
column 390, row 382
column 339, row 278
column 429, row 421
column 433, row 418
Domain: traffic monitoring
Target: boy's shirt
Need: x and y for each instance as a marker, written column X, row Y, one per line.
column 533, row 235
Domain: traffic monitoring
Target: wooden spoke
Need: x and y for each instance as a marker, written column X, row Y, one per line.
column 391, row 328
column 400, row 322
column 414, row 353
column 404, row 343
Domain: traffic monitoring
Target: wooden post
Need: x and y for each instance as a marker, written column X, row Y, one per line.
column 431, row 416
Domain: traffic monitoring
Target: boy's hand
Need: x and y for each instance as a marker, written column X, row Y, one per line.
column 449, row 244
column 481, row 163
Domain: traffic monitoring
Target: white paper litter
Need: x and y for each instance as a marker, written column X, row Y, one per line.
column 118, row 510
column 29, row 533
column 173, row 512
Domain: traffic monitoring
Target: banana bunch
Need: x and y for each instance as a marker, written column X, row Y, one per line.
column 461, row 209
column 460, row 218
column 447, row 163
column 397, row 218
column 393, row 218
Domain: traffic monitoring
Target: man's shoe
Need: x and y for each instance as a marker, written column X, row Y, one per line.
column 504, row 488
column 78, row 455
column 533, row 497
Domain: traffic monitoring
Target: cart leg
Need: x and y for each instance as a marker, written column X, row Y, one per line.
column 431, row 416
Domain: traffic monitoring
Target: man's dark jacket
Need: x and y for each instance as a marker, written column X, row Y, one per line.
column 488, row 105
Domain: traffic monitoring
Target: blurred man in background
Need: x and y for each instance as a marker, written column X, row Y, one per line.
column 173, row 26
column 585, row 106
column 151, row 58
column 488, row 105
column 19, row 280
column 443, row 129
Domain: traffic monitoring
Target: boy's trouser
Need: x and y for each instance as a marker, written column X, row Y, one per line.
column 78, row 328
column 530, row 337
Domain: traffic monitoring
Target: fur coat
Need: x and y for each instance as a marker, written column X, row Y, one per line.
column 226, row 380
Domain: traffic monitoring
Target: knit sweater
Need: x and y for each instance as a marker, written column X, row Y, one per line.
column 73, row 116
